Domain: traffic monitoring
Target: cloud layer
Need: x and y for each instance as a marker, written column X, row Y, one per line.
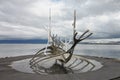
column 26, row 19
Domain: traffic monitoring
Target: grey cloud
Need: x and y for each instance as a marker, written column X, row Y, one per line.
column 87, row 8
column 16, row 12
column 110, row 29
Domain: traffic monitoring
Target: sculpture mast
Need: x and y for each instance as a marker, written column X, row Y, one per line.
column 49, row 27
column 74, row 24
column 49, row 31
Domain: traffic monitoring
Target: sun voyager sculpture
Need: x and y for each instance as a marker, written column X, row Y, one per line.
column 55, row 59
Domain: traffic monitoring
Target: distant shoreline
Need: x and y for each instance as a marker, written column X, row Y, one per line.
column 44, row 41
column 100, row 43
column 79, row 43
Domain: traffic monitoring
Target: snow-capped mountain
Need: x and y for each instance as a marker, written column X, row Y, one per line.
column 102, row 41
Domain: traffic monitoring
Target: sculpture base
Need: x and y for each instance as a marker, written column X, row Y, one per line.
column 77, row 64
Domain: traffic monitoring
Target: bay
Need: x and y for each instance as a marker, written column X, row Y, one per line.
column 109, row 51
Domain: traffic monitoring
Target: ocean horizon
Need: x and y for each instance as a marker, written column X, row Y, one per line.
column 108, row 51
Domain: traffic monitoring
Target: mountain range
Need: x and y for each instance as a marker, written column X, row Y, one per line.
column 44, row 41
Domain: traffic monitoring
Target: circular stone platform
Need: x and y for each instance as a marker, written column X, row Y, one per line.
column 77, row 64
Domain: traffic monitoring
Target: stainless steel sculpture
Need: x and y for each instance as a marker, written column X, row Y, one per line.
column 54, row 59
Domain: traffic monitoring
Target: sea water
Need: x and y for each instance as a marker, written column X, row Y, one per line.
column 109, row 51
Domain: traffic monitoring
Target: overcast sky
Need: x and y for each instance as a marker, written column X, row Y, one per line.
column 27, row 19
